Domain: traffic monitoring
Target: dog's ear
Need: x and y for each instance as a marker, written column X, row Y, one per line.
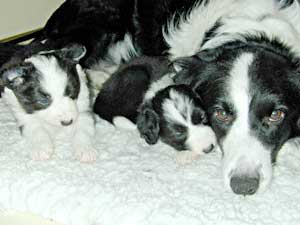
column 184, row 68
column 204, row 56
column 13, row 77
column 148, row 124
column 209, row 55
column 73, row 52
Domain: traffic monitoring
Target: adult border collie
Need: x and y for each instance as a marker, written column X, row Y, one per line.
column 243, row 61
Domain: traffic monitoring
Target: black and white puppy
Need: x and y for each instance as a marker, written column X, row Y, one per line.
column 125, row 90
column 47, row 93
column 175, row 116
column 142, row 92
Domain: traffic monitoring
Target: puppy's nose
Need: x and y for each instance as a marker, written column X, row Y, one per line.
column 66, row 123
column 209, row 149
column 244, row 185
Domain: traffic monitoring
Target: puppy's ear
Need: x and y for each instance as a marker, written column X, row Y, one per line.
column 204, row 56
column 184, row 68
column 148, row 124
column 73, row 52
column 15, row 76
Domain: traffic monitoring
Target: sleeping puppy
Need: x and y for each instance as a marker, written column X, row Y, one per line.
column 47, row 92
column 142, row 92
column 176, row 117
column 124, row 91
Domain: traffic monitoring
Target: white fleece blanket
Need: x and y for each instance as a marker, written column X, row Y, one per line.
column 135, row 184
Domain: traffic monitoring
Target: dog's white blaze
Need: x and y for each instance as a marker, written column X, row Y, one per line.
column 244, row 154
column 179, row 108
column 53, row 78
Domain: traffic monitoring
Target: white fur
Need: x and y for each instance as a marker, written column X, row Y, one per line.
column 85, row 129
column 292, row 14
column 191, row 29
column 244, row 154
column 41, row 127
column 271, row 26
column 158, row 85
column 238, row 17
column 200, row 137
column 123, row 123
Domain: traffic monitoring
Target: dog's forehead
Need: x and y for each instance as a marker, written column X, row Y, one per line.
column 266, row 73
column 52, row 76
column 178, row 106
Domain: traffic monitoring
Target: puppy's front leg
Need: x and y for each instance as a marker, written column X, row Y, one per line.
column 186, row 157
column 82, row 142
column 42, row 147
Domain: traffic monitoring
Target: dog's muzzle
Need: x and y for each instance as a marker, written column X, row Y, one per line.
column 245, row 184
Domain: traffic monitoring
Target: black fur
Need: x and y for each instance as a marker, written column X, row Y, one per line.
column 123, row 93
column 97, row 24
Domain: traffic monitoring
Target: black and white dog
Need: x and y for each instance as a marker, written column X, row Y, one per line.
column 245, row 65
column 142, row 91
column 47, row 92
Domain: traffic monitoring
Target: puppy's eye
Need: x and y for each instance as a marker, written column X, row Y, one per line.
column 17, row 81
column 179, row 132
column 277, row 116
column 45, row 100
column 223, row 116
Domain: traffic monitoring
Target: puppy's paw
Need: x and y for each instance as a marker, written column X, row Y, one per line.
column 85, row 154
column 186, row 157
column 42, row 155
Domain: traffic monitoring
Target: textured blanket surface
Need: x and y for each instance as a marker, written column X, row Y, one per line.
column 135, row 184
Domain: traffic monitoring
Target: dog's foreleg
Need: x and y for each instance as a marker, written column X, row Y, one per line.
column 40, row 141
column 82, row 142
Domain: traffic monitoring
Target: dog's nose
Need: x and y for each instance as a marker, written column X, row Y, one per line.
column 244, row 185
column 66, row 123
column 209, row 149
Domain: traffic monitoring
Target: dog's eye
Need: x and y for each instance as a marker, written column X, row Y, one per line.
column 179, row 132
column 45, row 100
column 277, row 116
column 223, row 116
column 17, row 81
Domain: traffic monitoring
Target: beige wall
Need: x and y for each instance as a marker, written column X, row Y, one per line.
column 19, row 16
